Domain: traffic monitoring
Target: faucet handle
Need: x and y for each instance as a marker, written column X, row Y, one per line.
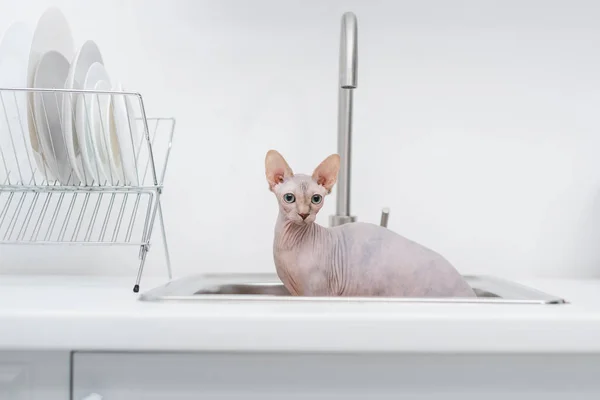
column 385, row 215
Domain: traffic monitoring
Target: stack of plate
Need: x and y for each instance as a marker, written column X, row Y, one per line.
column 75, row 138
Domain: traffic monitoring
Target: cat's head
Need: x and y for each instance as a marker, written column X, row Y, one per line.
column 300, row 196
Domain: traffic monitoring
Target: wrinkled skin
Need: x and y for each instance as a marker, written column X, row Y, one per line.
column 354, row 259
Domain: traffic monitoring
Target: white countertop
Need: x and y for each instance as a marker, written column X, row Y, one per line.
column 98, row 313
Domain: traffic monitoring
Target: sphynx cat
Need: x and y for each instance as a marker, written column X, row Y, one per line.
column 353, row 259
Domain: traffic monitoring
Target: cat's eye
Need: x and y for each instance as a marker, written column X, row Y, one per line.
column 317, row 198
column 289, row 198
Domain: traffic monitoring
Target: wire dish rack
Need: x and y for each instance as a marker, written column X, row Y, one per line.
column 82, row 167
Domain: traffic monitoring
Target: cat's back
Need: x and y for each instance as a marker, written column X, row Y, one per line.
column 374, row 240
column 367, row 233
column 395, row 265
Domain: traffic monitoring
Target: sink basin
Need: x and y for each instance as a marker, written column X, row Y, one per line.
column 268, row 287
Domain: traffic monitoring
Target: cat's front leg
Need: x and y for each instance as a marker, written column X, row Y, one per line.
column 288, row 281
column 285, row 271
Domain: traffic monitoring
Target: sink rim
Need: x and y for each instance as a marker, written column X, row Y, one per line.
column 184, row 289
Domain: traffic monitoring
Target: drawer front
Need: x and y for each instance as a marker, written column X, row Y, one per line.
column 187, row 376
column 34, row 375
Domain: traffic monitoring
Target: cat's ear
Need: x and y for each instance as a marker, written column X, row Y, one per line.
column 326, row 173
column 276, row 168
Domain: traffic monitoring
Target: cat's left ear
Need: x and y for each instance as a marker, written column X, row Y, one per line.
column 326, row 173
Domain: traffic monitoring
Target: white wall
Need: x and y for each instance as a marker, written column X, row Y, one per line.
column 475, row 121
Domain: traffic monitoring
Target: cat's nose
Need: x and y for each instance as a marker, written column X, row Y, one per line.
column 304, row 216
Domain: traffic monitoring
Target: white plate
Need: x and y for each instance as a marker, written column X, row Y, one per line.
column 110, row 120
column 85, row 57
column 96, row 164
column 52, row 33
column 128, row 135
column 104, row 135
column 51, row 73
column 14, row 137
column 83, row 128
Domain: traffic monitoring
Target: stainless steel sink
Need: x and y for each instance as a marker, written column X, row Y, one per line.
column 268, row 287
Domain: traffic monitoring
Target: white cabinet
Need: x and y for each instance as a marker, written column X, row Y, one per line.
column 229, row 376
column 34, row 375
column 207, row 376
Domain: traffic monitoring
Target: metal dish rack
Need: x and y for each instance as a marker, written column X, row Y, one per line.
column 37, row 208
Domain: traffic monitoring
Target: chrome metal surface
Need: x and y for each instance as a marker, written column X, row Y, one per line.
column 385, row 215
column 268, row 287
column 37, row 208
column 348, row 81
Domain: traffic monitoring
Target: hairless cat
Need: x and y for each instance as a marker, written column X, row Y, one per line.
column 353, row 259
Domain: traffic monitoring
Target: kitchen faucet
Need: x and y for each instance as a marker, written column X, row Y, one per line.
column 348, row 81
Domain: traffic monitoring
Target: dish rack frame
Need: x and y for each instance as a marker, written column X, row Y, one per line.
column 38, row 209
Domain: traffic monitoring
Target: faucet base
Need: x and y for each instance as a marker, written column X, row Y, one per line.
column 335, row 220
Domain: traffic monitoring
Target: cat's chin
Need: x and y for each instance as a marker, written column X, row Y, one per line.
column 301, row 222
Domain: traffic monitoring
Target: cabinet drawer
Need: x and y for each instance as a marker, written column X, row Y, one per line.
column 34, row 375
column 225, row 376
